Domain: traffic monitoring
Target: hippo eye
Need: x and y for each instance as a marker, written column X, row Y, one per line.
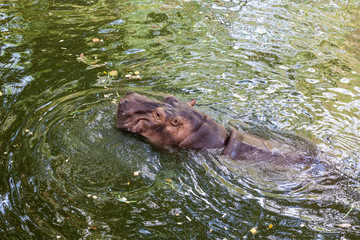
column 175, row 122
column 158, row 115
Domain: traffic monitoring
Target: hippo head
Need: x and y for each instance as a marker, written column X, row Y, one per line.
column 171, row 122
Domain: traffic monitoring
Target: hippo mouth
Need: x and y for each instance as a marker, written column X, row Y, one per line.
column 136, row 126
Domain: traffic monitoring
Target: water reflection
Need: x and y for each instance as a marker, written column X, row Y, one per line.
column 266, row 67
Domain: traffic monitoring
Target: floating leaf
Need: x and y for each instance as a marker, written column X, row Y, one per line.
column 344, row 225
column 113, row 73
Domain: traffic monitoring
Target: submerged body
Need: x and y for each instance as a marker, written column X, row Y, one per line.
column 179, row 124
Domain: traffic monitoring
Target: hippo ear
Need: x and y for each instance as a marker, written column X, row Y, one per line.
column 192, row 102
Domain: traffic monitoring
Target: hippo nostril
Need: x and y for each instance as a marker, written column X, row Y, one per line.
column 129, row 93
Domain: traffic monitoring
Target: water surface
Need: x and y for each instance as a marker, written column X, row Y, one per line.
column 272, row 68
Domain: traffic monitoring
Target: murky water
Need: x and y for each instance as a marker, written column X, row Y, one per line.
column 269, row 67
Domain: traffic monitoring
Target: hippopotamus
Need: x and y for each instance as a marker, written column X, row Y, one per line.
column 178, row 124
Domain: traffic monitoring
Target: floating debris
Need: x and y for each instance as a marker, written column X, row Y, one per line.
column 189, row 219
column 93, row 227
column 344, row 225
column 113, row 73
column 124, row 200
column 82, row 57
column 352, row 207
column 137, row 173
column 253, row 230
column 136, row 76
column 28, row 131
column 96, row 40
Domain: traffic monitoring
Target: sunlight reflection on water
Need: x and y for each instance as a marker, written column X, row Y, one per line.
column 267, row 67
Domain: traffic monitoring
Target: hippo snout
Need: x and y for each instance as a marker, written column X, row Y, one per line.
column 127, row 103
column 132, row 109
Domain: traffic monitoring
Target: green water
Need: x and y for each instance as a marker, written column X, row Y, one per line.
column 290, row 67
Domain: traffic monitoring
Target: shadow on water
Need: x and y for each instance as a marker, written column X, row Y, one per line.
column 275, row 69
